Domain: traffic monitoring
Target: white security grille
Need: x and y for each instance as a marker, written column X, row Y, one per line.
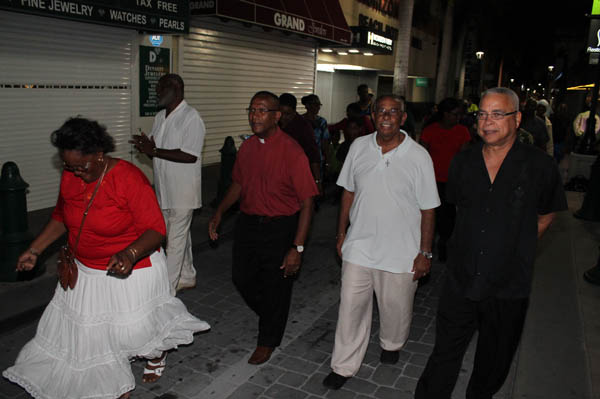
column 50, row 70
column 224, row 64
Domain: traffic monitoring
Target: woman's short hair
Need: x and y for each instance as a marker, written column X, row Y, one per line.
column 83, row 135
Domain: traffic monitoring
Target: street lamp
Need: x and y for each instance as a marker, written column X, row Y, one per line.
column 479, row 55
column 550, row 76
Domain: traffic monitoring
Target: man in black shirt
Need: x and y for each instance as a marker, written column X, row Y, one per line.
column 506, row 194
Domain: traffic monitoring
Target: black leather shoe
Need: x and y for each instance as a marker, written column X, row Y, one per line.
column 334, row 381
column 389, row 357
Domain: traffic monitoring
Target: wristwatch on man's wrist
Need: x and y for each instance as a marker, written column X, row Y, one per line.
column 299, row 248
column 428, row 255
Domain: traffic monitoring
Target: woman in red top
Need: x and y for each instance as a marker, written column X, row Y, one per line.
column 444, row 137
column 120, row 307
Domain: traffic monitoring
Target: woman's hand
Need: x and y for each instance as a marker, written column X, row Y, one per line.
column 26, row 261
column 120, row 264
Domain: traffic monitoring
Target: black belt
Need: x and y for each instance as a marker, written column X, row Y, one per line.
column 260, row 219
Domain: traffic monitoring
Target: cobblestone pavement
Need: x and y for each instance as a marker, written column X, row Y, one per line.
column 215, row 365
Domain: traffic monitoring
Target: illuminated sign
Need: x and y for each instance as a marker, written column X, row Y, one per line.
column 379, row 41
column 594, row 37
column 364, row 38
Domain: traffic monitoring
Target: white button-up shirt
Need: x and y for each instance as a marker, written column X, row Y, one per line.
column 179, row 185
column 390, row 190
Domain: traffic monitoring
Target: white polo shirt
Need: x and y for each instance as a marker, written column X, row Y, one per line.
column 179, row 185
column 390, row 190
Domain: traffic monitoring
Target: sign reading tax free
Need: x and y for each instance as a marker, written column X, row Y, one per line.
column 168, row 16
column 154, row 63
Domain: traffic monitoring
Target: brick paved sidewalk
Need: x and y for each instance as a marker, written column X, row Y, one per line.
column 215, row 365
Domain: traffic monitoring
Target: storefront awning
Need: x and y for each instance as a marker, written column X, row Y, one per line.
column 322, row 19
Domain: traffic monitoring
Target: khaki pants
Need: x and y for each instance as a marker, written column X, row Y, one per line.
column 180, row 264
column 395, row 294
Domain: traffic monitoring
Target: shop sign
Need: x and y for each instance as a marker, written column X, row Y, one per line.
column 154, row 63
column 422, row 82
column 156, row 40
column 300, row 21
column 594, row 37
column 596, row 7
column 390, row 8
column 366, row 39
column 377, row 26
column 168, row 16
column 203, row 7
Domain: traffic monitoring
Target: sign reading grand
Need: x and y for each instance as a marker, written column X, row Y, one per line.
column 390, row 8
column 168, row 16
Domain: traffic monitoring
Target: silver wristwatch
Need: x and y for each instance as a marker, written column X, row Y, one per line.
column 428, row 255
column 299, row 248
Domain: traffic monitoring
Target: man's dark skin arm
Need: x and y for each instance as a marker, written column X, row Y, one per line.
column 147, row 146
column 231, row 196
column 344, row 219
column 291, row 262
column 421, row 265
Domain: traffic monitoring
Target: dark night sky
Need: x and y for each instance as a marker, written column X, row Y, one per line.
column 532, row 34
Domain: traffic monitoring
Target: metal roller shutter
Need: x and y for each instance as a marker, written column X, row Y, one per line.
column 224, row 64
column 53, row 69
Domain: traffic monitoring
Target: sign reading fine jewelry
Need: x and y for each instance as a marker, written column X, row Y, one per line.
column 168, row 16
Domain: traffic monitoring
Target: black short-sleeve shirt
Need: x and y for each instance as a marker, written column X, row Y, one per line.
column 492, row 249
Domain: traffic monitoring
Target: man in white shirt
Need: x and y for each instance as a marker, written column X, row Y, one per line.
column 389, row 199
column 175, row 146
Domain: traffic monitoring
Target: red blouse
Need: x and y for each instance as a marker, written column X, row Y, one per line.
column 124, row 208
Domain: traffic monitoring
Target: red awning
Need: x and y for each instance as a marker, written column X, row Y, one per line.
column 322, row 19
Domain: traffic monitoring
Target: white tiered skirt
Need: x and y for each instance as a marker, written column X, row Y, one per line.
column 87, row 336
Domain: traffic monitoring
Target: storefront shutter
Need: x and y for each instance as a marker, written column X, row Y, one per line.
column 50, row 70
column 225, row 63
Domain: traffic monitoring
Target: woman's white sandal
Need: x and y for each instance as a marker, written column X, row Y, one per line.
column 154, row 369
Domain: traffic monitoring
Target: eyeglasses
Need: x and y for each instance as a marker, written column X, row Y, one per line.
column 495, row 116
column 391, row 111
column 259, row 111
column 78, row 169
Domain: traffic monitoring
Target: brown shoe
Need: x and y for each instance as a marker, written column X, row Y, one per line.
column 261, row 354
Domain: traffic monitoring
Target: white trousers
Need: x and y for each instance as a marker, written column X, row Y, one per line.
column 180, row 265
column 395, row 293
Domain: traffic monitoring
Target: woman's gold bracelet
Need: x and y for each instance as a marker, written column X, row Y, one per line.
column 133, row 252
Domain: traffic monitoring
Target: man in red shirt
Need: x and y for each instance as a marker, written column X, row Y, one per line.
column 273, row 182
column 443, row 138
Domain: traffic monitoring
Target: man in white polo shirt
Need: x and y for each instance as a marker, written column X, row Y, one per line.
column 389, row 199
column 175, row 146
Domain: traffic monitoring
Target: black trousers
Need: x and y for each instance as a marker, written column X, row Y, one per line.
column 499, row 323
column 259, row 247
column 445, row 216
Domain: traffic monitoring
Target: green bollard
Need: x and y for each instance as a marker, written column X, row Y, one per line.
column 13, row 214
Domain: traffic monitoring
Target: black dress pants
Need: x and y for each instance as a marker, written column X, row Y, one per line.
column 259, row 248
column 499, row 323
